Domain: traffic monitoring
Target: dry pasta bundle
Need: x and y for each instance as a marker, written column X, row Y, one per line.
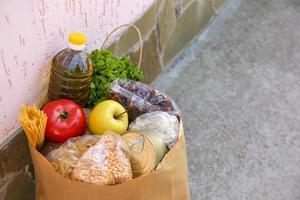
column 33, row 121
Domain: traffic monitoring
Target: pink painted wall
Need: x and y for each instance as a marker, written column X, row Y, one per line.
column 32, row 31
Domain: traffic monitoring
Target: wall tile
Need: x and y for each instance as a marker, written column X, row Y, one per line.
column 166, row 22
column 14, row 155
column 193, row 19
column 130, row 37
column 151, row 65
column 21, row 187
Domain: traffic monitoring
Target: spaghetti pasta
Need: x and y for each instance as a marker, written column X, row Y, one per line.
column 33, row 121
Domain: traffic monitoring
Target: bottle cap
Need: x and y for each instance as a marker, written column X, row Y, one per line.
column 77, row 41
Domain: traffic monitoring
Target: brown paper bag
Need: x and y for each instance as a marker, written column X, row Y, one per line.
column 168, row 182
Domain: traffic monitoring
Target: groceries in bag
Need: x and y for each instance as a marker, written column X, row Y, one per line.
column 107, row 158
column 97, row 155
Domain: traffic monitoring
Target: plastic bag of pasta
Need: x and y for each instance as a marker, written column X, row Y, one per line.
column 67, row 155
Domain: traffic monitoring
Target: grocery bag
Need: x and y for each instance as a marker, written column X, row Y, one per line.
column 169, row 181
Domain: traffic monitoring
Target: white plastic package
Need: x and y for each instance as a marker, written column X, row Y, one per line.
column 164, row 124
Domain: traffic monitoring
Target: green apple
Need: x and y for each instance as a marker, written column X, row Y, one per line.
column 108, row 115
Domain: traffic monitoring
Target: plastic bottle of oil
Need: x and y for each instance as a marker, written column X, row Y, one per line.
column 71, row 72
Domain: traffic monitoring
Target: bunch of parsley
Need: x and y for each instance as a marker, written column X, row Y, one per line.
column 106, row 68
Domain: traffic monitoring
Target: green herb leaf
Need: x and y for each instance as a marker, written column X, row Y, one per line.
column 106, row 69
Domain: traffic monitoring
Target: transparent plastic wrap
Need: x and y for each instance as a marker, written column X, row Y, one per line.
column 93, row 159
column 67, row 155
column 105, row 163
column 139, row 98
column 158, row 122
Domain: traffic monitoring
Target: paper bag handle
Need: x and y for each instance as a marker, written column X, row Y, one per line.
column 140, row 39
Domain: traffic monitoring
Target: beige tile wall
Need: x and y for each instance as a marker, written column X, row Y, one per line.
column 167, row 27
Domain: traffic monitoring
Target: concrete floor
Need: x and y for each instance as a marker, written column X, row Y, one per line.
column 238, row 86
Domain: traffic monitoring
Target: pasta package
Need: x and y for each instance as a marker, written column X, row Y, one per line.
column 65, row 158
column 97, row 159
column 33, row 121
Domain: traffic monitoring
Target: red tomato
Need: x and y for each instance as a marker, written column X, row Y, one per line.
column 65, row 119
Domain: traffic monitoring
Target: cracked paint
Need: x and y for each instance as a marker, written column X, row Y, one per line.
column 28, row 44
column 7, row 19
